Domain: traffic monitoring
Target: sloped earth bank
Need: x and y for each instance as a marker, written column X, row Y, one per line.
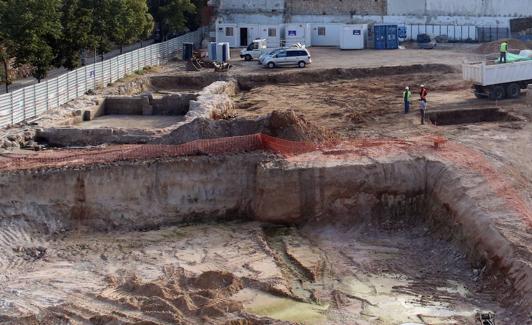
column 320, row 238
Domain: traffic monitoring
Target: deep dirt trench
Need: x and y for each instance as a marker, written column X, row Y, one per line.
column 371, row 241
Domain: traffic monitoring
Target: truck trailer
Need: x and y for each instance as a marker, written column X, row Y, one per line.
column 498, row 81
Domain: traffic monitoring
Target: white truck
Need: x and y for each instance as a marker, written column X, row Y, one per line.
column 498, row 81
column 254, row 50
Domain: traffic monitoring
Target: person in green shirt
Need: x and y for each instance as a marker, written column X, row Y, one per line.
column 407, row 94
column 504, row 50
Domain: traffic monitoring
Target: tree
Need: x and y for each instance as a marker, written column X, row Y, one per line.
column 194, row 19
column 171, row 15
column 130, row 22
column 100, row 32
column 76, row 26
column 32, row 26
column 6, row 50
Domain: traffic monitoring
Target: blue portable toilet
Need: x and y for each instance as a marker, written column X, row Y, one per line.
column 380, row 36
column 386, row 37
column 212, row 51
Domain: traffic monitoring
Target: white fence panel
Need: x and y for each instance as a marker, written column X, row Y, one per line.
column 62, row 95
column 53, row 90
column 5, row 109
column 29, row 102
column 41, row 98
column 18, row 105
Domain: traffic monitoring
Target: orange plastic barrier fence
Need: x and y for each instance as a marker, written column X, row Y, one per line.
column 75, row 157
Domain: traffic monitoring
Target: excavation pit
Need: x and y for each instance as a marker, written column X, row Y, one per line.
column 248, row 236
column 469, row 116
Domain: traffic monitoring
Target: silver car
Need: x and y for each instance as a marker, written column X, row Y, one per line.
column 265, row 55
column 288, row 57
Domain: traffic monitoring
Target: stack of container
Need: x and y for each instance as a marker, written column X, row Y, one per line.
column 386, row 37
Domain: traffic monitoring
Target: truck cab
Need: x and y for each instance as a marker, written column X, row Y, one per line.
column 254, row 50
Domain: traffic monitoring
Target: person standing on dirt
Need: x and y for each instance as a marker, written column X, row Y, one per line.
column 423, row 92
column 422, row 108
column 407, row 94
column 423, row 102
column 504, row 50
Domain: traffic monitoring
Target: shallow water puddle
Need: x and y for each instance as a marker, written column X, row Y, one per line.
column 264, row 304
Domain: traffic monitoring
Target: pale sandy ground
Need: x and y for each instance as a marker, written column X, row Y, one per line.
column 132, row 122
column 362, row 275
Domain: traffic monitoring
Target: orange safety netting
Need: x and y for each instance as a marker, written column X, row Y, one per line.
column 77, row 157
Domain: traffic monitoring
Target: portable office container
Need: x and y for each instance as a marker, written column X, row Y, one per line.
column 272, row 35
column 353, row 37
column 326, row 34
column 297, row 33
column 386, row 37
column 227, row 33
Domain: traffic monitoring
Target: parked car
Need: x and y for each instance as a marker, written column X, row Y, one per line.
column 267, row 54
column 294, row 56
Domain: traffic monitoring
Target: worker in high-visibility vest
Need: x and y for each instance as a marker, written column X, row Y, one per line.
column 407, row 94
column 504, row 50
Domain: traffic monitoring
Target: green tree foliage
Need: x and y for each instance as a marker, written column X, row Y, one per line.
column 130, row 21
column 43, row 33
column 76, row 23
column 32, row 26
column 102, row 21
column 171, row 15
column 6, row 50
column 194, row 19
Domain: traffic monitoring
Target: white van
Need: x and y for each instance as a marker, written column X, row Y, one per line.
column 295, row 56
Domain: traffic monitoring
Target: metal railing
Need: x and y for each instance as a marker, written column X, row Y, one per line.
column 32, row 101
column 457, row 33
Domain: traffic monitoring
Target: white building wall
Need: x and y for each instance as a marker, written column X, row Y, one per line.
column 262, row 19
column 252, row 5
column 494, row 8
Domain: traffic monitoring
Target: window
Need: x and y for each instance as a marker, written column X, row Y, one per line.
column 296, row 53
column 281, row 54
column 272, row 32
column 229, row 31
column 321, row 31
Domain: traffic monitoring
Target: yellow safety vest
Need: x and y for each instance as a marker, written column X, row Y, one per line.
column 504, row 47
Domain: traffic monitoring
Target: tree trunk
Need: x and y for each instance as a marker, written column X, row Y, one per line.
column 6, row 72
column 121, row 49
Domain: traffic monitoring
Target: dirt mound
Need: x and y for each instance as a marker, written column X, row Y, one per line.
column 493, row 47
column 290, row 126
column 179, row 297
column 250, row 81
